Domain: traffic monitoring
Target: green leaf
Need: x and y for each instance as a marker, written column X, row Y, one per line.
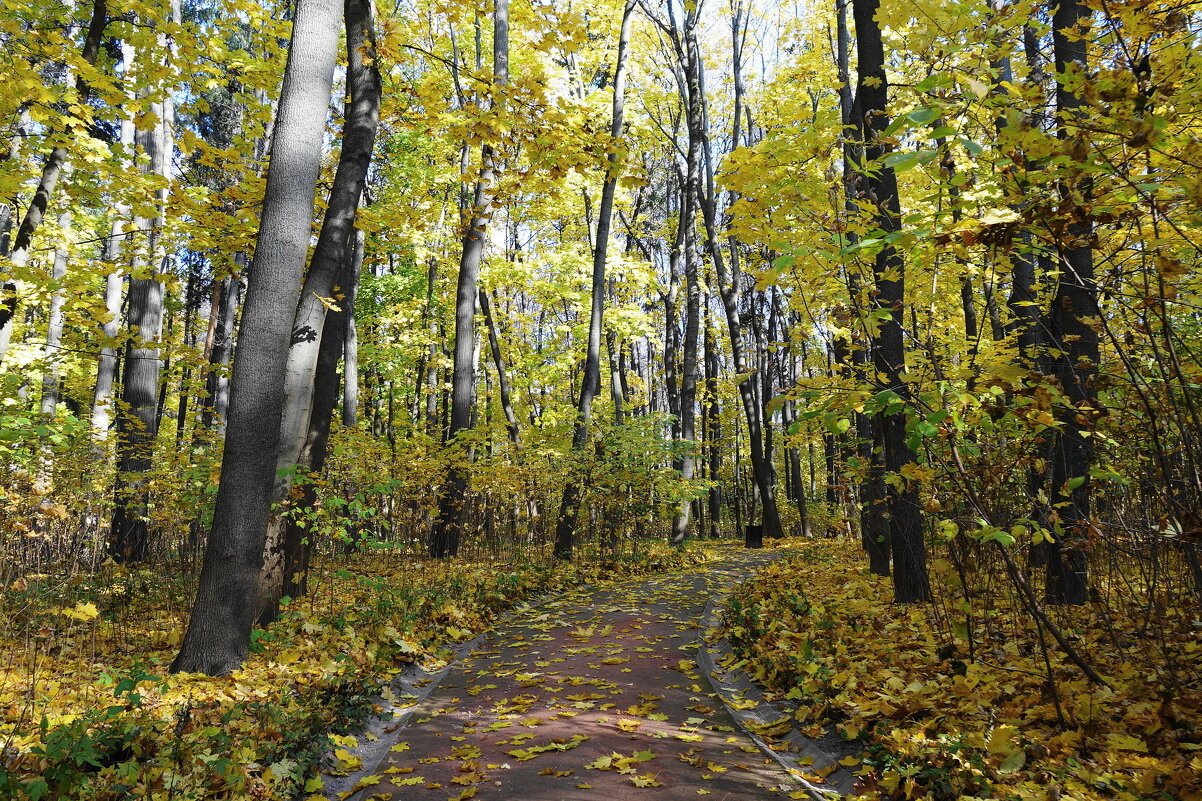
column 922, row 116
column 1013, row 762
column 971, row 146
column 900, row 162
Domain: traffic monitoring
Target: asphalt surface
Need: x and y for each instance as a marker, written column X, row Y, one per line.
column 587, row 697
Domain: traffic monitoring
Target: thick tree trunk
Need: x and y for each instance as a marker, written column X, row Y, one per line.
column 910, row 580
column 139, row 415
column 569, row 509
column 298, row 539
column 218, row 635
column 1073, row 341
column 334, row 243
column 136, row 421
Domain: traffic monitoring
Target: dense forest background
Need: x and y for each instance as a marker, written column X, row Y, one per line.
column 524, row 282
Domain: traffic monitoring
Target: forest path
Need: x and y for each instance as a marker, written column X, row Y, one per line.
column 596, row 695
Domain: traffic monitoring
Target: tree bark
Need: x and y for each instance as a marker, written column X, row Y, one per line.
column 1072, row 340
column 494, row 345
column 218, row 636
column 54, row 323
column 569, row 509
column 334, row 243
column 139, row 413
column 350, row 346
column 217, row 382
column 713, row 434
column 448, row 526
column 298, row 539
column 910, row 581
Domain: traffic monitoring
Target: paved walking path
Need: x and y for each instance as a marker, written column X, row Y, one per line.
column 586, row 697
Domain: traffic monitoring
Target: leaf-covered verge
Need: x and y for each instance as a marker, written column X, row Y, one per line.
column 88, row 709
column 937, row 723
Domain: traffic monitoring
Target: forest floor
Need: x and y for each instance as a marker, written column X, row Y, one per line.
column 586, row 696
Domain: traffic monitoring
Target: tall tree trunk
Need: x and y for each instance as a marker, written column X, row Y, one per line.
column 218, row 635
column 217, row 383
column 54, row 323
column 190, row 340
column 685, row 254
column 298, row 540
column 729, row 291
column 713, row 435
column 350, row 345
column 1073, row 342
column 448, row 526
column 569, row 509
column 139, row 414
column 334, row 243
column 910, row 581
column 114, row 283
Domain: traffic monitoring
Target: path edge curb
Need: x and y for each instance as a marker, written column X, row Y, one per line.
column 391, row 718
column 714, row 643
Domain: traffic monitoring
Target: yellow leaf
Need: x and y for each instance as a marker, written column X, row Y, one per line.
column 1125, row 742
column 82, row 611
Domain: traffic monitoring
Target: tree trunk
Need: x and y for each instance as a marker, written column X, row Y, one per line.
column 218, row 635
column 713, row 435
column 910, row 581
column 334, row 243
column 350, row 345
column 54, row 325
column 298, row 539
column 728, row 280
column 569, row 509
column 494, row 344
column 217, row 382
column 1072, row 341
column 448, row 526
column 139, row 415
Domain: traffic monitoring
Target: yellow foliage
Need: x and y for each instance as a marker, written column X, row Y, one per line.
column 939, row 724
